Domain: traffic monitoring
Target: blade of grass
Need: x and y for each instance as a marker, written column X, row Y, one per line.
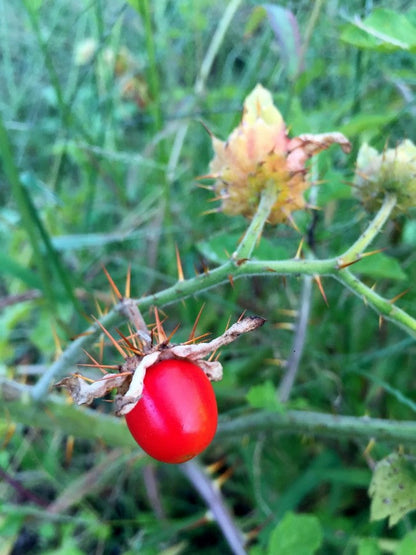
column 12, row 176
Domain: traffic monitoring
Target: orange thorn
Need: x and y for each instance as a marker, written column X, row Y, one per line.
column 161, row 335
column 113, row 285
column 111, row 338
column 57, row 342
column 219, row 482
column 380, row 321
column 96, row 363
column 213, row 211
column 193, row 330
column 397, row 297
column 11, row 428
column 129, row 344
column 292, row 222
column 299, row 251
column 242, row 315
column 346, row 264
column 284, row 326
column 128, row 283
column 214, row 467
column 196, row 339
column 172, row 333
column 69, row 449
column 231, row 280
column 321, row 289
column 179, row 265
column 370, row 253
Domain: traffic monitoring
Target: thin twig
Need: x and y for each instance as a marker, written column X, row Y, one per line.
column 213, row 498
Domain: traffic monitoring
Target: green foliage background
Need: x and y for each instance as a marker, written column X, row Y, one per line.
column 102, row 179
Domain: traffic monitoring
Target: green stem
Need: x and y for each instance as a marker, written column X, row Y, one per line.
column 80, row 421
column 250, row 268
column 255, row 229
column 373, row 229
column 381, row 305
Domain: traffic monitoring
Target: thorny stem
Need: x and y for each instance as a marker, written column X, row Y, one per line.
column 79, row 421
column 220, row 275
column 354, row 252
column 255, row 229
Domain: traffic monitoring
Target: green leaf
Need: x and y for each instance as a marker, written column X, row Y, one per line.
column 300, row 534
column 408, row 545
column 393, row 488
column 380, row 266
column 264, row 396
column 367, row 125
column 368, row 546
column 383, row 30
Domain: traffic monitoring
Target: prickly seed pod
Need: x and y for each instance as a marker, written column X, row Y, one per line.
column 392, row 171
column 259, row 154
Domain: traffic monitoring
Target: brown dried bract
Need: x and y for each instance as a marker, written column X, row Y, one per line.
column 129, row 380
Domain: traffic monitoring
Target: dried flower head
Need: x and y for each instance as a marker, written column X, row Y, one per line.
column 259, row 154
column 140, row 352
column 391, row 172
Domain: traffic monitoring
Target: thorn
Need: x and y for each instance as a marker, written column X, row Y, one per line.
column 210, row 133
column 193, row 330
column 161, row 335
column 292, row 222
column 57, row 341
column 179, row 265
column 212, row 211
column 231, row 280
column 214, row 467
column 129, row 344
column 128, row 283
column 299, row 251
column 380, row 321
column 321, row 289
column 101, row 366
column 346, row 264
column 113, row 285
column 242, row 315
column 69, row 449
column 220, row 481
column 370, row 253
column 197, row 338
column 96, row 363
column 11, row 428
column 284, row 326
column 203, row 186
column 288, row 312
column 101, row 347
column 172, row 333
column 399, row 296
column 111, row 338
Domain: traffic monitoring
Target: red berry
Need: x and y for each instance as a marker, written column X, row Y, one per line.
column 176, row 416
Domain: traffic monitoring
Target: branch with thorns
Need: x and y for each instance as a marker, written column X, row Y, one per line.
column 141, row 349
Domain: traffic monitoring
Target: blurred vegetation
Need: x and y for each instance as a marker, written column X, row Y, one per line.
column 104, row 110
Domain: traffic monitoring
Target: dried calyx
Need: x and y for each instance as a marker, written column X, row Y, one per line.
column 140, row 351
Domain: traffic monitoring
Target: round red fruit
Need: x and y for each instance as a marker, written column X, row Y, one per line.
column 176, row 416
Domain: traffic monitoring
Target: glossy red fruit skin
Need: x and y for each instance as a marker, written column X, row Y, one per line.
column 176, row 417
